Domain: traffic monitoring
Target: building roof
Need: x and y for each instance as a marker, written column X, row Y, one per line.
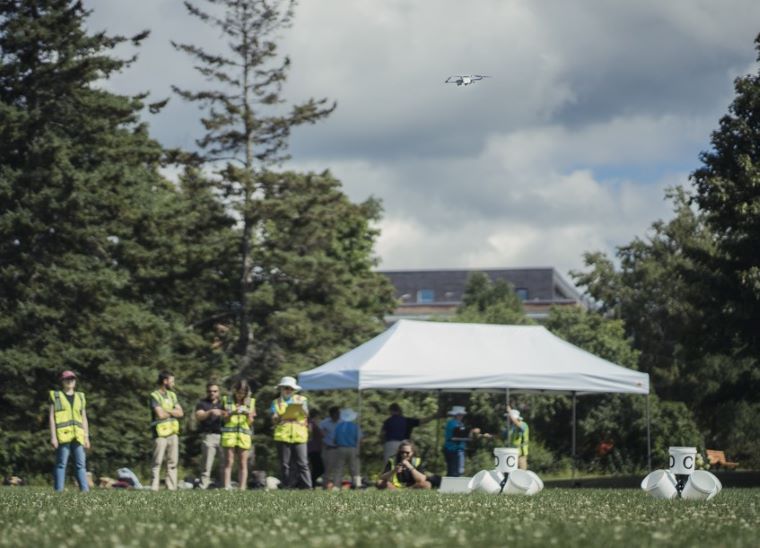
column 438, row 287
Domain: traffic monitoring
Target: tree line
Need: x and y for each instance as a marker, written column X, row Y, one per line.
column 240, row 269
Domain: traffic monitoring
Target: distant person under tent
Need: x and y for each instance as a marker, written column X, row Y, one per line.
column 329, row 449
column 397, row 428
column 348, row 436
column 314, row 448
column 517, row 434
column 456, row 436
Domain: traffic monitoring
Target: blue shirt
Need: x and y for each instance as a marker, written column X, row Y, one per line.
column 273, row 409
column 347, row 434
column 450, row 445
column 328, row 431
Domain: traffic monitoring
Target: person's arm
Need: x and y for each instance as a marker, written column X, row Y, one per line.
column 275, row 415
column 416, row 474
column 177, row 412
column 425, row 420
column 86, row 428
column 160, row 412
column 53, row 434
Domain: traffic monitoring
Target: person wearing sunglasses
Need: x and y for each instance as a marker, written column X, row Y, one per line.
column 208, row 413
column 405, row 470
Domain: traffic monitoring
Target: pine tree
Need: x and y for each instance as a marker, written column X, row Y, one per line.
column 81, row 204
column 728, row 194
column 246, row 128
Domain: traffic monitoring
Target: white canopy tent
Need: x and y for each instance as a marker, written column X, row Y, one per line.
column 419, row 355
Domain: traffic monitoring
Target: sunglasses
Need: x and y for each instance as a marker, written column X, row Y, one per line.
column 404, row 452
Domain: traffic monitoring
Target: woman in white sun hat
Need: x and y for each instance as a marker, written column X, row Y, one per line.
column 290, row 414
column 456, row 436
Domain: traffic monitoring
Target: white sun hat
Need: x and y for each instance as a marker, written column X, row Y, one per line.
column 515, row 414
column 290, row 382
column 348, row 415
column 457, row 410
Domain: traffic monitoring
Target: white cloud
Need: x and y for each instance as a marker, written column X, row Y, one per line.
column 593, row 109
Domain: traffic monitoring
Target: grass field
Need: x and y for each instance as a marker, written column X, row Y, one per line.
column 555, row 517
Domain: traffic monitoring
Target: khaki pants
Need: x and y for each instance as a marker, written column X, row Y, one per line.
column 329, row 454
column 210, row 448
column 389, row 449
column 170, row 447
column 522, row 462
column 350, row 456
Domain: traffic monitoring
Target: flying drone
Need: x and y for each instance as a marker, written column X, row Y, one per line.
column 465, row 80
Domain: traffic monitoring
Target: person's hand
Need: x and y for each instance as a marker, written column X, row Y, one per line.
column 487, row 435
column 54, row 443
column 217, row 412
column 87, row 442
column 509, row 408
column 475, row 431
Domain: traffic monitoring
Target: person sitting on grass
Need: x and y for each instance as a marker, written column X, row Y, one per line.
column 405, row 470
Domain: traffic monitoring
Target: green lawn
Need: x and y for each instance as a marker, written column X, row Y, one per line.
column 559, row 517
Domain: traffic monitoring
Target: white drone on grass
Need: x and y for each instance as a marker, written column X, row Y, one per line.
column 465, row 80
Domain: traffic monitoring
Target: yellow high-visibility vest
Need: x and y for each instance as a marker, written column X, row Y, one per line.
column 169, row 426
column 394, row 478
column 296, row 431
column 519, row 438
column 236, row 432
column 68, row 419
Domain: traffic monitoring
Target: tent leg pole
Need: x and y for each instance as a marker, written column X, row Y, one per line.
column 573, row 469
column 649, row 438
column 507, row 396
column 437, row 427
column 359, row 464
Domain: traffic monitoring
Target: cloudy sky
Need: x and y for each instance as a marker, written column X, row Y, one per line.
column 594, row 108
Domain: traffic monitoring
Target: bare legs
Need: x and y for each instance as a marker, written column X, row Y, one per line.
column 229, row 457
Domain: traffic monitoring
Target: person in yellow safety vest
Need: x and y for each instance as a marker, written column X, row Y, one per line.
column 404, row 470
column 290, row 413
column 517, row 434
column 166, row 411
column 237, row 431
column 69, row 431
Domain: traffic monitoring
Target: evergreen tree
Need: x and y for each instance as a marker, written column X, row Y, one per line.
column 246, row 128
column 728, row 195
column 81, row 224
column 315, row 294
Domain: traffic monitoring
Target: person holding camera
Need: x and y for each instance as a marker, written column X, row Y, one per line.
column 405, row 470
column 237, row 431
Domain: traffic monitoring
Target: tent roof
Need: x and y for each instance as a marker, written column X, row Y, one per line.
column 419, row 355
